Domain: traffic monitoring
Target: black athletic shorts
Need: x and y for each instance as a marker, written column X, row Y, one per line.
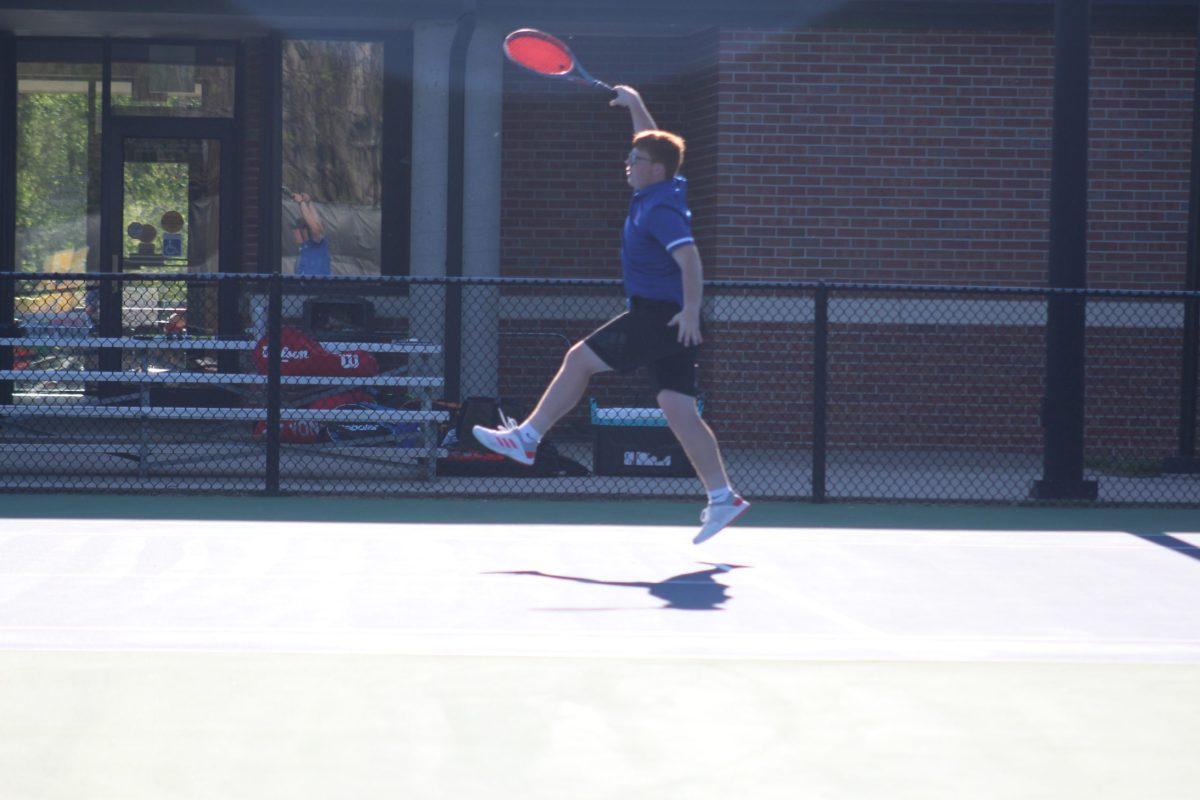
column 641, row 337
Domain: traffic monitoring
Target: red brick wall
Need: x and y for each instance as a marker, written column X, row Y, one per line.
column 925, row 157
column 1140, row 160
column 1133, row 382
column 757, row 383
column 701, row 94
column 935, row 386
column 939, row 386
column 884, row 156
column 859, row 155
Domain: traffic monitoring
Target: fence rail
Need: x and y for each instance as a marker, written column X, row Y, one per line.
column 822, row 391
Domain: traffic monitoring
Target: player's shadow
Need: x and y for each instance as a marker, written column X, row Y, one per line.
column 692, row 591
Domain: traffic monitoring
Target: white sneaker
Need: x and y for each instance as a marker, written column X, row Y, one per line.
column 506, row 441
column 716, row 516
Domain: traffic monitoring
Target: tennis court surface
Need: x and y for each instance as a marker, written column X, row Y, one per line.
column 159, row 647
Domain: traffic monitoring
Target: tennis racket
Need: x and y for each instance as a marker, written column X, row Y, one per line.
column 538, row 51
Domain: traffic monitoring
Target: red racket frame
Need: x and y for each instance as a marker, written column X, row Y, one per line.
column 572, row 71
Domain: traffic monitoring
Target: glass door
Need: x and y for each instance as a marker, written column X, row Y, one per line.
column 170, row 222
column 171, row 205
column 168, row 208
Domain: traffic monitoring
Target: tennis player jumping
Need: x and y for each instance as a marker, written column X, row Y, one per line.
column 661, row 330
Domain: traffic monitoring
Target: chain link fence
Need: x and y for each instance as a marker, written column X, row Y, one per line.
column 251, row 383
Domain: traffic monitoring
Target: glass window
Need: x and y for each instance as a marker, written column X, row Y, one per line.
column 58, row 189
column 58, row 166
column 332, row 153
column 173, row 80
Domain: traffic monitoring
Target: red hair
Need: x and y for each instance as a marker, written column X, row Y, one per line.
column 663, row 147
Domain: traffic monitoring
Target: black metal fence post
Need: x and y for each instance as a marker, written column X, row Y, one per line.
column 1066, row 313
column 274, row 362
column 1185, row 456
column 455, row 204
column 453, row 296
column 820, row 372
column 8, row 194
column 1185, row 460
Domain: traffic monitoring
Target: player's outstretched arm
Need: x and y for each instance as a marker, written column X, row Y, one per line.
column 628, row 97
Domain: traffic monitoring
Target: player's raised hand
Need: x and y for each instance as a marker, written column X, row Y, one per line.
column 626, row 96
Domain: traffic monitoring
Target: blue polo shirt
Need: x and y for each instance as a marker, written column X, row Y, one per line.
column 314, row 258
column 659, row 222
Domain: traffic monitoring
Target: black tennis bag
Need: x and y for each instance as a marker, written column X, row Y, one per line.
column 474, row 411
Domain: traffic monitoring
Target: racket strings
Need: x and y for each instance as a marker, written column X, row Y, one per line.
column 539, row 54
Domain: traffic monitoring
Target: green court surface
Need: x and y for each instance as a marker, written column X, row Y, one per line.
column 216, row 647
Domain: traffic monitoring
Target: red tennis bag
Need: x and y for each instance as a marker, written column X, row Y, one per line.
column 311, row 431
column 301, row 354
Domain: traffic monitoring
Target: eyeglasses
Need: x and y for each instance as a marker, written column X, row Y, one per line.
column 633, row 158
